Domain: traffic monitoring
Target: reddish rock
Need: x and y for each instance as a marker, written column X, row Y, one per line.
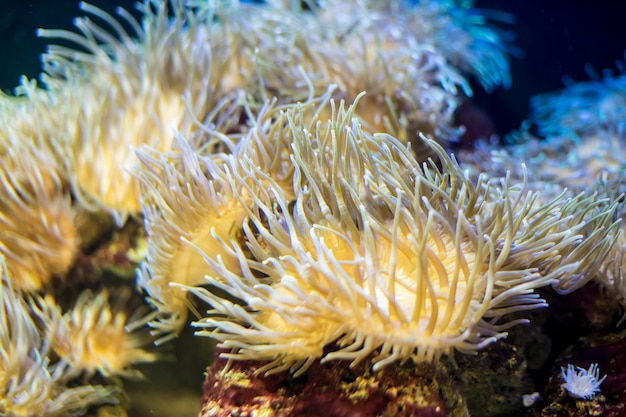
column 331, row 390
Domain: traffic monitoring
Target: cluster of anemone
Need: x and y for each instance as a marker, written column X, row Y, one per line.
column 48, row 357
column 146, row 80
column 326, row 230
column 412, row 84
column 584, row 126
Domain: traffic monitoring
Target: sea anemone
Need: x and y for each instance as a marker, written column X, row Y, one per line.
column 30, row 384
column 189, row 200
column 462, row 34
column 185, row 199
column 95, row 335
column 114, row 92
column 39, row 238
column 580, row 382
column 265, row 49
column 26, row 121
column 379, row 257
column 588, row 119
column 582, row 108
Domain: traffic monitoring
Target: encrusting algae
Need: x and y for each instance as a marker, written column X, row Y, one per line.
column 287, row 162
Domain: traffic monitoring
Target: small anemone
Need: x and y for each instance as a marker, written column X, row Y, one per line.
column 95, row 335
column 32, row 385
column 580, row 382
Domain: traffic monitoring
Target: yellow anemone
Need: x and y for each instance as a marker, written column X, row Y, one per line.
column 95, row 335
column 380, row 255
column 39, row 238
column 410, row 86
column 124, row 92
column 30, row 384
column 188, row 200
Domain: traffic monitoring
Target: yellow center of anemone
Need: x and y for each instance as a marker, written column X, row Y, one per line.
column 367, row 291
column 208, row 240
